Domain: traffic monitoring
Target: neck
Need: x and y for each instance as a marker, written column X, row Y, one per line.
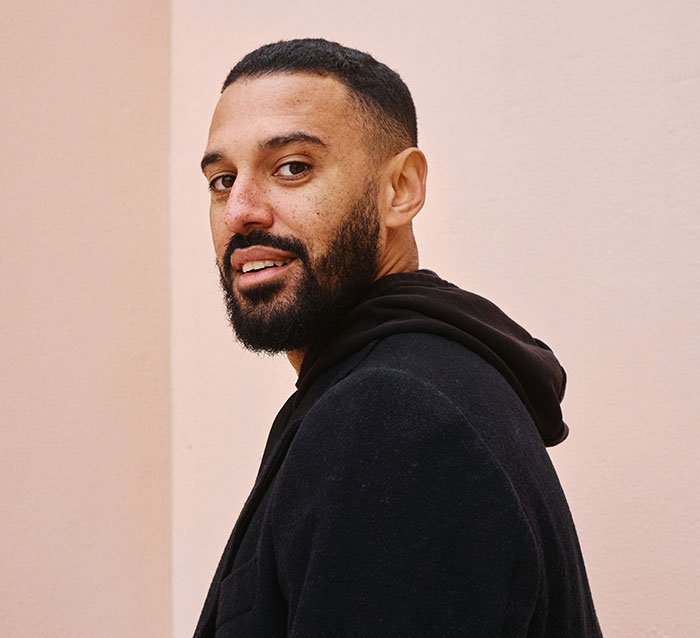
column 296, row 357
column 400, row 253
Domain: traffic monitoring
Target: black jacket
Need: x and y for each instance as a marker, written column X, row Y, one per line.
column 406, row 491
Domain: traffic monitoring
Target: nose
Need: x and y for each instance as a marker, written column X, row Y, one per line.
column 247, row 207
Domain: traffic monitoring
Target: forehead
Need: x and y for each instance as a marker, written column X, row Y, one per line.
column 252, row 110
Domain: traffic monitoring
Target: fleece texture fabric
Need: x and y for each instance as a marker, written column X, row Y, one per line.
column 406, row 491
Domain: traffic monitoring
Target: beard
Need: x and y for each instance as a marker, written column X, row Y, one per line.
column 266, row 318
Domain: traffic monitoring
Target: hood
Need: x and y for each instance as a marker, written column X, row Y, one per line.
column 422, row 302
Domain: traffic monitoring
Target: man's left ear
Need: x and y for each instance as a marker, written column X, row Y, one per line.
column 405, row 190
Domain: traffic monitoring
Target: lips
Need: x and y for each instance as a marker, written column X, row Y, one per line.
column 248, row 261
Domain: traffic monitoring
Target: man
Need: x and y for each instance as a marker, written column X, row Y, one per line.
column 405, row 489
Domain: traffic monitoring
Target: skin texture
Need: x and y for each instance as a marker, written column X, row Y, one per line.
column 288, row 154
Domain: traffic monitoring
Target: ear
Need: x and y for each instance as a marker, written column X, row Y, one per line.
column 405, row 190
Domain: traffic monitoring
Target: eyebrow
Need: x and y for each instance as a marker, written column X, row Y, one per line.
column 276, row 142
column 291, row 138
column 210, row 158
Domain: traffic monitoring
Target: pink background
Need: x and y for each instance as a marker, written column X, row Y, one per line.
column 564, row 147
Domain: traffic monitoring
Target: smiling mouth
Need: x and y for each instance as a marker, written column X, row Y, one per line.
column 256, row 266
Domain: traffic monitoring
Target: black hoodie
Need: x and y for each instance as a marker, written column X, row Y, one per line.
column 422, row 302
column 405, row 489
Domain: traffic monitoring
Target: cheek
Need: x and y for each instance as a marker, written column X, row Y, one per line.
column 301, row 215
column 317, row 219
column 219, row 235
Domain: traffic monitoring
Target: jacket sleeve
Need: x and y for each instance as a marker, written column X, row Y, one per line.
column 391, row 518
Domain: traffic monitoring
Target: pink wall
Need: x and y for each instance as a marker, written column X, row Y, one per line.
column 85, row 440
column 564, row 145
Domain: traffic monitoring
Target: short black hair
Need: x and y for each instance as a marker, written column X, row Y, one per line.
column 379, row 91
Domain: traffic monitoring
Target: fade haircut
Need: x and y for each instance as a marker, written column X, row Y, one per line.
column 384, row 101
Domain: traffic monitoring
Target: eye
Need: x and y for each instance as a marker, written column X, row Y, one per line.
column 292, row 169
column 222, row 183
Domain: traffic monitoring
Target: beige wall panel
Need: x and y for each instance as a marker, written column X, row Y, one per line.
column 84, row 442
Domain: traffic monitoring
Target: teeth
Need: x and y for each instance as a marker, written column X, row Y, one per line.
column 250, row 266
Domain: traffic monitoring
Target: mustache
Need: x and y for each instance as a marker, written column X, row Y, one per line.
column 259, row 237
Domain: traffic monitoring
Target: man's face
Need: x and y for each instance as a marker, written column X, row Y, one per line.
column 293, row 211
